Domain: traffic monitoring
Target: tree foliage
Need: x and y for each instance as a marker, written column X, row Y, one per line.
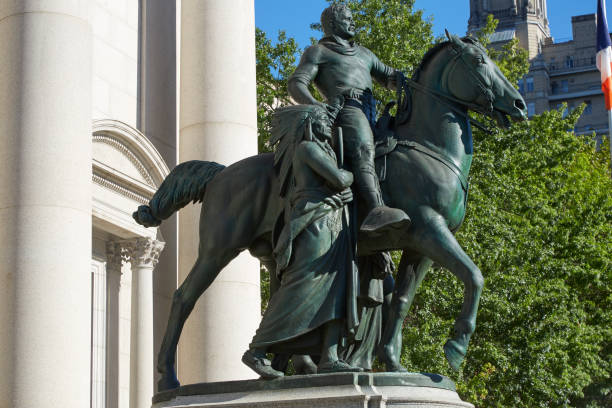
column 512, row 60
column 539, row 226
column 274, row 65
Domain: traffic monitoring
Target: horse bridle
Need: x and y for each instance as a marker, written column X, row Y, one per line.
column 485, row 108
column 486, row 92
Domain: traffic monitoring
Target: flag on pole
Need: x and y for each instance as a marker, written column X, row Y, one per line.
column 604, row 53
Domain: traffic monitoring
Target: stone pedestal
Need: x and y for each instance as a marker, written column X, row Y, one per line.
column 363, row 390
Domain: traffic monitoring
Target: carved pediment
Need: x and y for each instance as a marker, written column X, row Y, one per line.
column 126, row 172
column 110, row 152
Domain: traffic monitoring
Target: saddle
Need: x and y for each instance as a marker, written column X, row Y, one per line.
column 385, row 142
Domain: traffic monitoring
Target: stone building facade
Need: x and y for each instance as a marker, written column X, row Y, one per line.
column 560, row 72
column 99, row 99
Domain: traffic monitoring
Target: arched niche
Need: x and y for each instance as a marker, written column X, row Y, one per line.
column 126, row 172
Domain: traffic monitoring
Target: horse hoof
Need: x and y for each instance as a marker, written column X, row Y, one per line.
column 454, row 354
column 168, row 382
column 391, row 365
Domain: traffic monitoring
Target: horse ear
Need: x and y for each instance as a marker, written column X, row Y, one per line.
column 448, row 35
column 456, row 41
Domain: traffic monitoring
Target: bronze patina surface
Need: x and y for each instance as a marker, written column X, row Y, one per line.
column 426, row 177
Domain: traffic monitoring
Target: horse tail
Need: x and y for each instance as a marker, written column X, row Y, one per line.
column 185, row 183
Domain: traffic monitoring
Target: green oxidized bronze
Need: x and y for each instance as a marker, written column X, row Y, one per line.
column 317, row 299
column 342, row 71
column 425, row 168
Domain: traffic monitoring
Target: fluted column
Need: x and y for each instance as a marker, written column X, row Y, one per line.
column 218, row 122
column 114, row 262
column 45, row 203
column 143, row 254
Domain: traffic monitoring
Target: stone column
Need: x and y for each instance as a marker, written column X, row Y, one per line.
column 114, row 261
column 158, row 121
column 218, row 122
column 143, row 255
column 45, row 203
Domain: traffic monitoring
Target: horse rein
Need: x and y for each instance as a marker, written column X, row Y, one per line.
column 445, row 99
column 450, row 100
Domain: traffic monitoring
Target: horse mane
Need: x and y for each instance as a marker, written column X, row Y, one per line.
column 433, row 51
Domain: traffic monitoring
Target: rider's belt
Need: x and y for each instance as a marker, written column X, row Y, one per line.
column 363, row 100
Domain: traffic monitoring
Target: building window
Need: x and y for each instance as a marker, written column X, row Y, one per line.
column 564, row 86
column 529, row 84
column 521, row 86
column 569, row 62
column 554, row 87
column 530, row 109
column 588, row 109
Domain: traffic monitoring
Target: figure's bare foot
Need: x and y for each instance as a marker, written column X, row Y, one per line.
column 303, row 364
column 337, row 366
column 261, row 365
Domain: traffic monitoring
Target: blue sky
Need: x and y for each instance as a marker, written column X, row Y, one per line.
column 295, row 16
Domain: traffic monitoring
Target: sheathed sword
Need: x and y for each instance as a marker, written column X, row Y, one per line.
column 340, row 143
column 346, row 213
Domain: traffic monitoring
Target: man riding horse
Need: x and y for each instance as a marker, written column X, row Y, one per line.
column 342, row 71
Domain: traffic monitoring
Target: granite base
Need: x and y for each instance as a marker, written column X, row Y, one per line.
column 342, row 390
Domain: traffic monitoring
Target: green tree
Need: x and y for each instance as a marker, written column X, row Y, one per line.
column 274, row 65
column 539, row 225
column 511, row 58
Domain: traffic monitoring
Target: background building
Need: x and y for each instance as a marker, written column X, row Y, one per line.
column 560, row 72
column 98, row 100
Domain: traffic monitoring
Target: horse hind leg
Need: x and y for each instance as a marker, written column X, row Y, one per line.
column 411, row 273
column 437, row 242
column 203, row 273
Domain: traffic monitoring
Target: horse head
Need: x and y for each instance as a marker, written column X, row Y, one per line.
column 471, row 77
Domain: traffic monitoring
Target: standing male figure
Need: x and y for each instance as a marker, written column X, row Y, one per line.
column 342, row 71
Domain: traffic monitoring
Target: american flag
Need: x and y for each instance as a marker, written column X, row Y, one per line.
column 604, row 53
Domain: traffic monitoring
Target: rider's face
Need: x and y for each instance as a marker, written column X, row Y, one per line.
column 344, row 27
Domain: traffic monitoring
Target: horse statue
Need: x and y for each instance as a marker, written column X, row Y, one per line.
column 426, row 176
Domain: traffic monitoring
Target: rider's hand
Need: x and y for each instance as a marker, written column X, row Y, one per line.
column 393, row 82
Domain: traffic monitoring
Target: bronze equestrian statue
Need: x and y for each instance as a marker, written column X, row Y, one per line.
column 426, row 178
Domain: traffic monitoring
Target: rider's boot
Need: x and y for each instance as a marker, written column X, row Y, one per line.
column 380, row 219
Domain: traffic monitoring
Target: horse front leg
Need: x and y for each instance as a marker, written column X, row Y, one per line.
column 434, row 240
column 411, row 273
